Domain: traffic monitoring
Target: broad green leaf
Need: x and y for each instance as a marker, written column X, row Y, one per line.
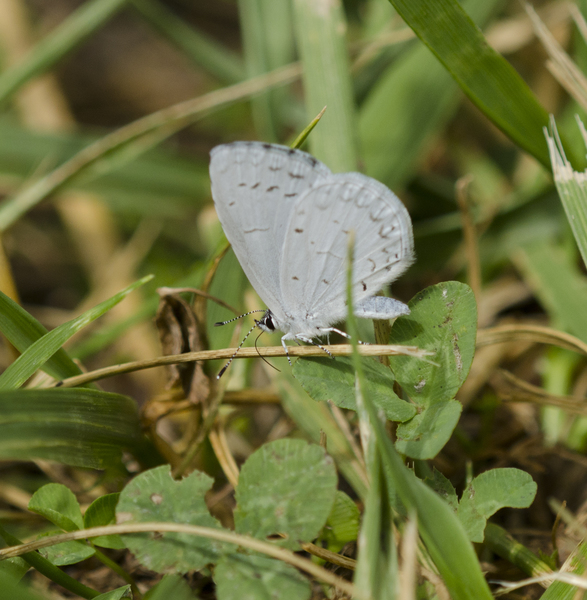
column 254, row 577
column 61, row 41
column 171, row 587
column 558, row 283
column 313, row 418
column 489, row 492
column 117, row 594
column 571, row 186
column 80, row 427
column 66, row 553
column 58, row 504
column 485, row 76
column 320, row 29
column 443, row 320
column 101, row 512
column 44, row 348
column 155, row 496
column 342, row 525
column 21, row 329
column 327, row 379
column 397, row 120
column 287, row 487
column 425, row 435
column 443, row 487
column 13, row 589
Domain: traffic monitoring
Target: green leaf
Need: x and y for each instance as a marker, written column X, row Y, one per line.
column 342, row 525
column 443, row 487
column 489, row 492
column 443, row 320
column 117, row 594
column 66, row 553
column 572, row 188
column 15, row 568
column 327, row 379
column 485, row 76
column 79, row 427
column 58, row 504
column 101, row 512
column 171, row 587
column 44, row 348
column 286, row 487
column 155, row 496
column 426, row 434
column 254, row 577
column 22, row 329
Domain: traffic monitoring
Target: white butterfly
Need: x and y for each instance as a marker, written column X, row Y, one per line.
column 287, row 217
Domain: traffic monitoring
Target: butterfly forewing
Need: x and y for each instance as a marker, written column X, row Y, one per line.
column 255, row 186
column 313, row 274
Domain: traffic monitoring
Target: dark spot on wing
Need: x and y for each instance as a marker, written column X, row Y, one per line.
column 313, row 161
column 242, row 184
column 346, row 231
column 326, row 282
column 374, row 265
column 267, row 146
column 291, row 151
column 295, row 278
column 364, row 286
column 299, row 230
column 273, row 187
column 293, row 195
column 231, row 203
column 272, row 168
column 296, row 175
column 256, row 185
column 337, row 222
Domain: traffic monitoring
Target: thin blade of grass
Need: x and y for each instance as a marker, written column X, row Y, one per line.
column 44, row 348
column 487, row 78
column 22, row 330
column 80, row 25
column 320, row 28
column 196, row 45
column 571, row 186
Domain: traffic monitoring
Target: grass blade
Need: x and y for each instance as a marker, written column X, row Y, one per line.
column 44, row 348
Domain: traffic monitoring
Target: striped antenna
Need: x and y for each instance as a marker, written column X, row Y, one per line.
column 221, row 373
column 240, row 317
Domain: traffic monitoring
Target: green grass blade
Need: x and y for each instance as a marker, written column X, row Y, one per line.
column 486, row 77
column 78, row 426
column 397, row 121
column 571, row 186
column 320, row 35
column 199, row 47
column 22, row 330
column 89, row 17
column 44, row 348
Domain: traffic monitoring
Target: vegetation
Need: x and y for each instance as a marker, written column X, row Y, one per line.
column 448, row 464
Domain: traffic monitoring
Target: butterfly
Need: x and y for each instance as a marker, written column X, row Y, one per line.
column 288, row 218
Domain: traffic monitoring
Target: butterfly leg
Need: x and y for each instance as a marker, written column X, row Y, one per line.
column 311, row 341
column 285, row 348
column 329, row 330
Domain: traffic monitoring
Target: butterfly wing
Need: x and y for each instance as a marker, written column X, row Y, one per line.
column 313, row 275
column 254, row 186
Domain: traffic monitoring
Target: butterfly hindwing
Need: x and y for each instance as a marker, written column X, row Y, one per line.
column 314, row 261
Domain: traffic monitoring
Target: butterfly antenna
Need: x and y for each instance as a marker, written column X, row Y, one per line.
column 264, row 359
column 239, row 347
column 239, row 317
